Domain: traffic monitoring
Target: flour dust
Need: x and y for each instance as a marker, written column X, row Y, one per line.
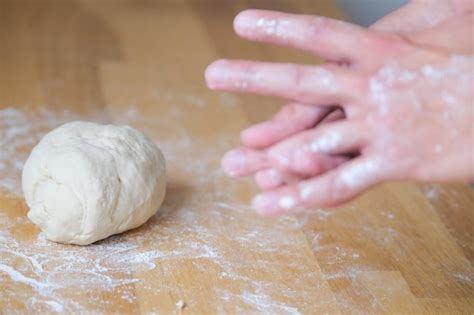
column 194, row 224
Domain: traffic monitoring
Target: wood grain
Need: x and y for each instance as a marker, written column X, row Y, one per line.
column 401, row 248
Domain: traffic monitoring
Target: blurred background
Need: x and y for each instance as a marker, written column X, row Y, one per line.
column 366, row 12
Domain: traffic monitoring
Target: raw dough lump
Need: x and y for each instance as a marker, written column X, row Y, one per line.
column 84, row 182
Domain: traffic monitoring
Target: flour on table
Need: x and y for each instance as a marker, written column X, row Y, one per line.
column 180, row 305
column 50, row 277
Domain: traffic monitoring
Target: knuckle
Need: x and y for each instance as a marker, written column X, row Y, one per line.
column 304, row 80
column 298, row 82
column 299, row 77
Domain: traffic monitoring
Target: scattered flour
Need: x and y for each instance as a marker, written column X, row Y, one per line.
column 464, row 277
column 180, row 305
column 360, row 173
column 195, row 224
column 205, row 226
column 268, row 25
column 432, row 192
column 388, row 76
column 326, row 143
column 287, row 202
column 393, row 74
column 19, row 131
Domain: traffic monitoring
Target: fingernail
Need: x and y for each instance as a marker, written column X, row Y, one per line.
column 247, row 132
column 271, row 203
column 273, row 177
column 257, row 134
column 215, row 73
column 224, row 74
column 265, row 204
column 244, row 21
column 234, row 162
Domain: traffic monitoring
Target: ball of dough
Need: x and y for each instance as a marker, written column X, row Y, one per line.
column 84, row 182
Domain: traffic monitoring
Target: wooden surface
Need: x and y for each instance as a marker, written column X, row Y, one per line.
column 399, row 249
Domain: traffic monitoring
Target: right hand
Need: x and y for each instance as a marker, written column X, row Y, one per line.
column 295, row 117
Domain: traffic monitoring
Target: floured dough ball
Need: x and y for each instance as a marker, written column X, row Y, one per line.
column 85, row 181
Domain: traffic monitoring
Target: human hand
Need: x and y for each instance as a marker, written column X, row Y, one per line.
column 400, row 94
column 296, row 117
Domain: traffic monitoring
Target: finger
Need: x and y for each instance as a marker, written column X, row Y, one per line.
column 331, row 39
column 291, row 119
column 335, row 115
column 272, row 178
column 306, row 84
column 331, row 189
column 308, row 151
column 302, row 154
column 309, row 164
column 243, row 162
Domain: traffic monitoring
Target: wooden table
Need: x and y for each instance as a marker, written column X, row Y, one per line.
column 399, row 249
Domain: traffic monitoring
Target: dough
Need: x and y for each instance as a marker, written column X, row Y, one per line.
column 84, row 182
